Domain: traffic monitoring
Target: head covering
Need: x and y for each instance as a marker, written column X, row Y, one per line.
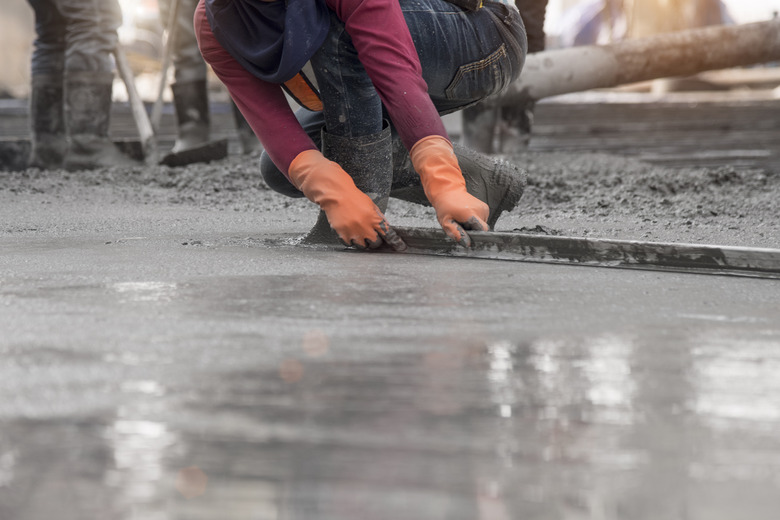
column 272, row 40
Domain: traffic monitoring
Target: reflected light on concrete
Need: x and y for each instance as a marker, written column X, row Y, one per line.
column 7, row 465
column 191, row 482
column 736, row 381
column 316, row 343
column 291, row 370
column 608, row 370
column 146, row 291
column 143, row 387
column 140, row 448
column 501, row 377
column 546, row 362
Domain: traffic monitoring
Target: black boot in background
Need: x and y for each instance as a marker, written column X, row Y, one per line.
column 193, row 143
column 47, row 122
column 87, row 118
column 192, row 115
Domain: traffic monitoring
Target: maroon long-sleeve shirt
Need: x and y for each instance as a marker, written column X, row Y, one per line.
column 385, row 48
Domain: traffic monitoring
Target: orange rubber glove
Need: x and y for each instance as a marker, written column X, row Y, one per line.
column 351, row 213
column 442, row 180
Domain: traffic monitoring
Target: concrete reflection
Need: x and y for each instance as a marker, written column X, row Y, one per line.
column 736, row 383
column 7, row 466
column 140, row 449
column 149, row 291
column 607, row 368
column 596, row 426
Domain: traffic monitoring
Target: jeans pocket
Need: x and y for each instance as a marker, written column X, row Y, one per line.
column 480, row 79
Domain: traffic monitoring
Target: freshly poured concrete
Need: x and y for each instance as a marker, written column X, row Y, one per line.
column 160, row 375
column 167, row 352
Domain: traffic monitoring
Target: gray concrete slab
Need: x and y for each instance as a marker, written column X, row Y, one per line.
column 174, row 362
column 167, row 352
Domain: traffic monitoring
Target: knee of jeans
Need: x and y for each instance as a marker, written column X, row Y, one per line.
column 88, row 61
column 48, row 62
column 275, row 179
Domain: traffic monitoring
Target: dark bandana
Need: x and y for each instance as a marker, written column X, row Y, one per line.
column 272, row 40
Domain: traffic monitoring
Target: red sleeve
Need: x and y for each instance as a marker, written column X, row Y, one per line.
column 263, row 104
column 386, row 50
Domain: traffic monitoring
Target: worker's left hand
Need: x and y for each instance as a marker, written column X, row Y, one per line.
column 456, row 209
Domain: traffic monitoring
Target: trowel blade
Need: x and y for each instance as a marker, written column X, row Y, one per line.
column 211, row 151
column 691, row 258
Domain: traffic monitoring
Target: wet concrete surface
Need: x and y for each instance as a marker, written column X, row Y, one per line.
column 167, row 351
column 202, row 375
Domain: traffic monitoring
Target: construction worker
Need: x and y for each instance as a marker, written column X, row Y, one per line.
column 72, row 77
column 406, row 60
column 190, row 89
column 507, row 129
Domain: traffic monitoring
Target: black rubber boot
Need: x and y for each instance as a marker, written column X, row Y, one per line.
column 496, row 182
column 514, row 128
column 479, row 128
column 369, row 161
column 87, row 118
column 504, row 130
column 47, row 122
column 192, row 115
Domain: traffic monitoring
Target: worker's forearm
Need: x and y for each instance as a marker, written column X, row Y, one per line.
column 262, row 104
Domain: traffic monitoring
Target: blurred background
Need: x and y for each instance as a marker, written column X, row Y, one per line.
column 569, row 22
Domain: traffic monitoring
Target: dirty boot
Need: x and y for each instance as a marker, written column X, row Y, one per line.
column 192, row 114
column 47, row 122
column 193, row 144
column 514, row 128
column 87, row 117
column 246, row 136
column 479, row 127
column 496, row 182
column 368, row 160
column 505, row 130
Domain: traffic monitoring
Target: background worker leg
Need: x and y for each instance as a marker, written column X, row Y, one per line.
column 47, row 120
column 91, row 38
column 189, row 89
column 507, row 129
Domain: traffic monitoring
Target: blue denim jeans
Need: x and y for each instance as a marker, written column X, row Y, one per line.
column 74, row 35
column 449, row 43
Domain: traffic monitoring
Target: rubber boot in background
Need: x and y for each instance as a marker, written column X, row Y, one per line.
column 369, row 161
column 246, row 136
column 497, row 183
column 514, row 127
column 479, row 128
column 47, row 122
column 87, row 118
column 505, row 129
column 193, row 119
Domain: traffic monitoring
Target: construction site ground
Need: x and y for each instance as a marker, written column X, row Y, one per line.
column 169, row 350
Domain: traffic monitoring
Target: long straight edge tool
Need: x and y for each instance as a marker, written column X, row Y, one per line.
column 689, row 258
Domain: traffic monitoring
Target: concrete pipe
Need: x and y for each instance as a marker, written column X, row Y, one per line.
column 684, row 53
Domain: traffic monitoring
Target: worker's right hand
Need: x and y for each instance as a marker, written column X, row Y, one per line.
column 351, row 213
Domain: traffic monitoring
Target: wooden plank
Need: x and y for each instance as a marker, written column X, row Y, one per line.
column 627, row 254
